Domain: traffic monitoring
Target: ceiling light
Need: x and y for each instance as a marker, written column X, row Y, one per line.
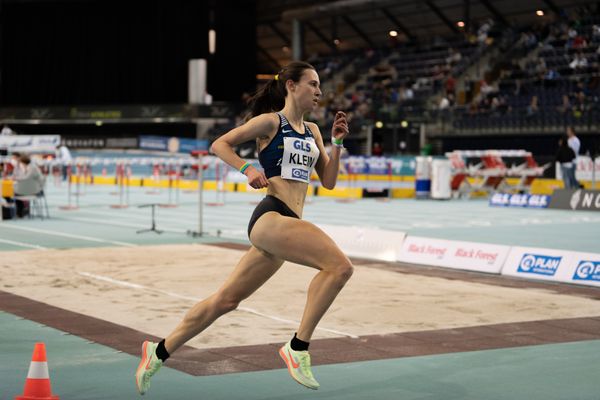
column 539, row 13
column 336, row 42
column 460, row 24
column 393, row 33
column 378, row 124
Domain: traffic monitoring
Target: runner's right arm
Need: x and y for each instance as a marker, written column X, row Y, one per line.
column 259, row 126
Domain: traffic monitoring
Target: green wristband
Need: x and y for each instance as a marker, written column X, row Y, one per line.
column 337, row 142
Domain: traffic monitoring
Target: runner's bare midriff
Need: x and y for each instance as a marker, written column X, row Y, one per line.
column 292, row 193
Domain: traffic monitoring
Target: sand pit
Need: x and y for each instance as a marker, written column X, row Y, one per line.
column 150, row 288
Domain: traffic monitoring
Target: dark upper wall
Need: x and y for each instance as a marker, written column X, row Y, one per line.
column 122, row 52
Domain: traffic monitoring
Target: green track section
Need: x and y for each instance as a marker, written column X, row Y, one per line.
column 86, row 371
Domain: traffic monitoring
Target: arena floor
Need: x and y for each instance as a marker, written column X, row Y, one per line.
column 90, row 287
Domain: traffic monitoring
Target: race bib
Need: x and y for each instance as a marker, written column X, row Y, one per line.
column 299, row 158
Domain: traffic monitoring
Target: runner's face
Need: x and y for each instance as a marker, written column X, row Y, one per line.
column 307, row 91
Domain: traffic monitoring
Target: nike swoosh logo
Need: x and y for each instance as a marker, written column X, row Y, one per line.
column 288, row 131
column 294, row 363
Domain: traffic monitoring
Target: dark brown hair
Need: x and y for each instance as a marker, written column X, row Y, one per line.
column 271, row 97
column 25, row 159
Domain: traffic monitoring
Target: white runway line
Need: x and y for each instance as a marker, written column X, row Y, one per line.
column 167, row 225
column 21, row 244
column 165, row 228
column 80, row 237
column 124, row 224
column 167, row 216
column 194, row 299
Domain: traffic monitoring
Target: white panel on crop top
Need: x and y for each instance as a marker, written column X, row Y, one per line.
column 300, row 155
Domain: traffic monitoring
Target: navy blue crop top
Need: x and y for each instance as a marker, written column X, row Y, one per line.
column 297, row 153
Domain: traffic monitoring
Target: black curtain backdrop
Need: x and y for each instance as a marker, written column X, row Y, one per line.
column 122, row 52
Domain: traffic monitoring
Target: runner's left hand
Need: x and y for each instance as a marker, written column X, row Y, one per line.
column 339, row 130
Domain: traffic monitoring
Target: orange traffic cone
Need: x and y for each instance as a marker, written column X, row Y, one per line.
column 37, row 384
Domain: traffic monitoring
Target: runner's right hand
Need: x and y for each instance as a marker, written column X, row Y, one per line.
column 256, row 179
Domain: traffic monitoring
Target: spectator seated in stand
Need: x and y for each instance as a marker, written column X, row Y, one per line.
column 580, row 61
column 533, row 108
column 29, row 183
column 550, row 81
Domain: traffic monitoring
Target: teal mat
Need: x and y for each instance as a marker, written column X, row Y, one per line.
column 82, row 370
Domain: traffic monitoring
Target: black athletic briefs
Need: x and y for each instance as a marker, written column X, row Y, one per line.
column 270, row 203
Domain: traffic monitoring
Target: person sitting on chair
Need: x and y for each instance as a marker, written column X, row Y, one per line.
column 29, row 183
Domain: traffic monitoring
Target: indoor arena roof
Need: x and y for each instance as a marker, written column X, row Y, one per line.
column 366, row 23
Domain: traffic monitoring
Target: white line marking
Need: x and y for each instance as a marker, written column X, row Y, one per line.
column 122, row 224
column 194, row 299
column 80, row 237
column 233, row 234
column 166, row 220
column 32, row 246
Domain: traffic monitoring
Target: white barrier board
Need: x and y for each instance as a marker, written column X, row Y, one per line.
column 30, row 143
column 470, row 256
column 553, row 265
column 370, row 243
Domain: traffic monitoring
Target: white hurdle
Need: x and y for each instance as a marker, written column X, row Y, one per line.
column 173, row 171
column 123, row 185
column 70, row 206
column 220, row 182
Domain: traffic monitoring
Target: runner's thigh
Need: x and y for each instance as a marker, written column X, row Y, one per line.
column 297, row 241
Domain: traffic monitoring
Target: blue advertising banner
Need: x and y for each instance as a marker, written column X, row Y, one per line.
column 156, row 143
column 189, row 145
column 172, row 144
column 553, row 265
column 540, row 264
column 587, row 270
column 520, row 200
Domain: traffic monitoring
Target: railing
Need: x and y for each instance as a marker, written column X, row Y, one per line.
column 547, row 121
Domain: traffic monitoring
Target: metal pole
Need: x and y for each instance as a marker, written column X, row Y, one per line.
column 121, row 177
column 594, row 172
column 128, row 173
column 170, row 175
column 1, row 193
column 177, row 182
column 77, row 187
column 69, row 187
column 225, row 168
column 153, row 218
column 297, row 39
column 200, row 190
